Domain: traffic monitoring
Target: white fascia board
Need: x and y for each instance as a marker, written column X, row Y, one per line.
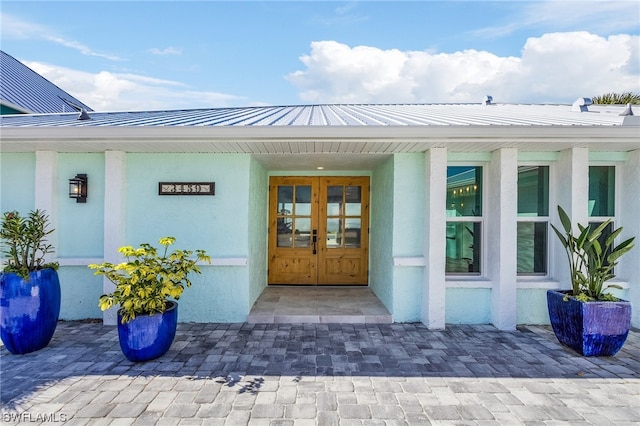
column 70, row 139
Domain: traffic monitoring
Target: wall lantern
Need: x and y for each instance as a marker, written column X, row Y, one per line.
column 78, row 188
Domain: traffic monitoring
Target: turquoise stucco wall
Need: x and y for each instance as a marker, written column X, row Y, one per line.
column 217, row 224
column 77, row 227
column 468, row 306
column 407, row 293
column 381, row 235
column 80, row 291
column 17, row 182
column 80, row 234
column 408, row 204
column 232, row 224
column 408, row 231
column 81, row 225
column 532, row 306
column 258, row 224
column 220, row 294
column 214, row 223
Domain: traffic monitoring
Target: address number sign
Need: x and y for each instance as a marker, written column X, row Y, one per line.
column 186, row 188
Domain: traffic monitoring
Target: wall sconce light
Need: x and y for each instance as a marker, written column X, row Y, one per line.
column 78, row 188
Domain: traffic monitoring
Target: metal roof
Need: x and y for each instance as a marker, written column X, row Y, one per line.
column 26, row 91
column 395, row 115
column 338, row 137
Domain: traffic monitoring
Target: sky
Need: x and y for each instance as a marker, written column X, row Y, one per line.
column 156, row 55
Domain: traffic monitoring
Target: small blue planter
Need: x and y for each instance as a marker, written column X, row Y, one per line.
column 29, row 310
column 147, row 337
column 589, row 328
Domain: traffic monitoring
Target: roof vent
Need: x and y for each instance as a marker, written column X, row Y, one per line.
column 487, row 100
column 627, row 111
column 581, row 104
column 84, row 115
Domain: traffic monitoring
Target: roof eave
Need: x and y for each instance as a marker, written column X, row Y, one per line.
column 174, row 139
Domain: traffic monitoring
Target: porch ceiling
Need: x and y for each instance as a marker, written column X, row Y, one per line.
column 301, row 162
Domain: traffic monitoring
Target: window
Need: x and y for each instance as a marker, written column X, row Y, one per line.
column 294, row 216
column 602, row 184
column 464, row 220
column 533, row 219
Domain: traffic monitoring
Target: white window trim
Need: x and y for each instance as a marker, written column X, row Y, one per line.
column 616, row 192
column 538, row 276
column 615, row 219
column 451, row 277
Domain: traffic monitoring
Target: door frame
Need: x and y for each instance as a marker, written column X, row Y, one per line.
column 350, row 264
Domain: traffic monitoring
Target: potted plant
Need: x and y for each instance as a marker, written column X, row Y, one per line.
column 147, row 287
column 587, row 318
column 29, row 286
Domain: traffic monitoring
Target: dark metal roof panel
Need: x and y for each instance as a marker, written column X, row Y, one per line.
column 26, row 90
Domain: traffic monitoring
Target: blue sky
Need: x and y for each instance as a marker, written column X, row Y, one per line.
column 128, row 55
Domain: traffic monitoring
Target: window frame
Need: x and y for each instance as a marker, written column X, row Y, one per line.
column 539, row 219
column 616, row 192
column 616, row 195
column 471, row 219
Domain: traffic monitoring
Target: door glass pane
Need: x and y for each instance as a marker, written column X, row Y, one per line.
column 303, row 200
column 533, row 191
column 352, row 233
column 334, row 200
column 464, row 191
column 284, row 231
column 463, row 247
column 303, row 232
column 602, row 185
column 532, row 247
column 334, row 233
column 285, row 200
column 353, row 198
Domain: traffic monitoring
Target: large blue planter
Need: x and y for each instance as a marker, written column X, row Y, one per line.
column 589, row 328
column 29, row 310
column 147, row 337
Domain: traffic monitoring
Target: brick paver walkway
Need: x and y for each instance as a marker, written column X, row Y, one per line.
column 321, row 374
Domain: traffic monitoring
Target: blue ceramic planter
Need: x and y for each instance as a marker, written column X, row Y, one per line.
column 589, row 328
column 147, row 337
column 29, row 310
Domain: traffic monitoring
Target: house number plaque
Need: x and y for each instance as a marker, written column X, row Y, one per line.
column 186, row 188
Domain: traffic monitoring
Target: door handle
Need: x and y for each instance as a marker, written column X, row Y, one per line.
column 314, row 240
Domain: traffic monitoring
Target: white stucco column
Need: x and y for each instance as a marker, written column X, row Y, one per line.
column 629, row 267
column 46, row 196
column 434, row 284
column 114, row 217
column 501, row 216
column 572, row 193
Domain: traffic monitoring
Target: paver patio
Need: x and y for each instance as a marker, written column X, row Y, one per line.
column 321, row 374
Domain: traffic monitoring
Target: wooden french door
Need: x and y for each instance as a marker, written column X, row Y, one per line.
column 318, row 230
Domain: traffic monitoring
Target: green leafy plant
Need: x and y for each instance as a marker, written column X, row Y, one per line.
column 146, row 280
column 24, row 241
column 591, row 260
column 622, row 98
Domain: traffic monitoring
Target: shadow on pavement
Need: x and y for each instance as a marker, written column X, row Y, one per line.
column 242, row 355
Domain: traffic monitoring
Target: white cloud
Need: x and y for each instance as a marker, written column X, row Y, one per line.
column 557, row 67
column 13, row 27
column 602, row 17
column 166, row 51
column 108, row 91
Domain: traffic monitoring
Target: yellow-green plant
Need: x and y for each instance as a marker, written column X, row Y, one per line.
column 147, row 280
column 591, row 257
